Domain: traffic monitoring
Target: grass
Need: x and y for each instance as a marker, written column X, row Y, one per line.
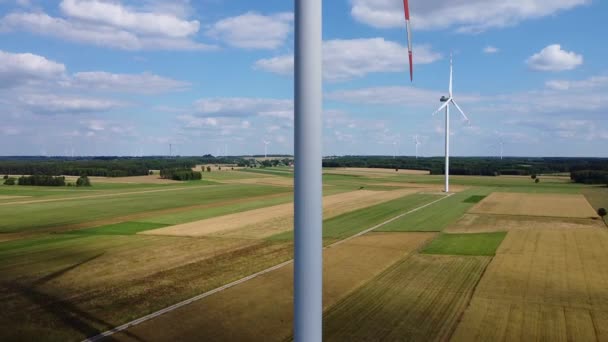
column 438, row 216
column 353, row 222
column 123, row 228
column 474, row 199
column 466, row 244
column 27, row 218
column 598, row 198
column 418, row 299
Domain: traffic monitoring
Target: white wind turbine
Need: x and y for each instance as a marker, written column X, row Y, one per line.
column 396, row 149
column 265, row 148
column 417, row 142
column 446, row 105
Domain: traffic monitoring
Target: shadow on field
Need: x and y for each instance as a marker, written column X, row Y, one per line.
column 62, row 309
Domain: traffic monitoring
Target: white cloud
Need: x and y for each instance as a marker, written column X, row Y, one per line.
column 94, row 33
column 242, row 107
column 490, row 49
column 396, row 95
column 116, row 15
column 590, row 83
column 553, row 58
column 19, row 68
column 191, row 121
column 345, row 59
column 253, row 31
column 145, row 83
column 465, row 16
column 56, row 104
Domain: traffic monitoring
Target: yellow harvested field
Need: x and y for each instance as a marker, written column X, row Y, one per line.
column 476, row 223
column 264, row 222
column 274, row 181
column 151, row 179
column 419, row 299
column 554, row 205
column 2, row 197
column 263, row 306
column 546, row 284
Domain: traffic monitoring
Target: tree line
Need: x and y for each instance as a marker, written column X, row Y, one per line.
column 180, row 174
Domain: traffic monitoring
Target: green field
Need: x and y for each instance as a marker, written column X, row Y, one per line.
column 466, row 244
column 438, row 216
column 353, row 222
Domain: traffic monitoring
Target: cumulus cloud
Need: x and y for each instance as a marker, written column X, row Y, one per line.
column 145, row 83
column 553, row 58
column 590, row 83
column 465, row 16
column 116, row 15
column 243, row 107
column 109, row 24
column 344, row 59
column 490, row 49
column 253, row 31
column 19, row 68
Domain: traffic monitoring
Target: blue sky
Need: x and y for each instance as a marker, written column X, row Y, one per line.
column 101, row 77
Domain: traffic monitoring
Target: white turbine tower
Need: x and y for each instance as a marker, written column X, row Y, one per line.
column 417, row 142
column 396, row 149
column 446, row 105
column 265, row 148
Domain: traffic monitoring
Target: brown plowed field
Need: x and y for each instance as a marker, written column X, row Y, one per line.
column 554, row 205
column 261, row 309
column 264, row 222
column 542, row 285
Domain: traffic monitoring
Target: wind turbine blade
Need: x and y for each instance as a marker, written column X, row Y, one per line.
column 446, row 103
column 406, row 7
column 460, row 110
column 451, row 67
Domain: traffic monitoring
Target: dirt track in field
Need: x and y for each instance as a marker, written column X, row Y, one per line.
column 263, row 306
column 526, row 204
column 477, row 223
column 543, row 284
column 264, row 222
column 2, row 197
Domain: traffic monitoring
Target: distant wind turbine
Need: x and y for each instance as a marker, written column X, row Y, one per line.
column 447, row 101
column 417, row 142
column 266, row 148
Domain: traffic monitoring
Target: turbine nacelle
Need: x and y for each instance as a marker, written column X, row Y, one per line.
column 444, row 99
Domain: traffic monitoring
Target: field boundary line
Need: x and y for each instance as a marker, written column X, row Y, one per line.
column 175, row 306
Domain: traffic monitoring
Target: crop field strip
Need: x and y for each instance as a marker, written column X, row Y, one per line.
column 543, row 284
column 439, row 216
column 570, row 206
column 419, row 298
column 269, row 297
column 264, row 222
column 480, row 223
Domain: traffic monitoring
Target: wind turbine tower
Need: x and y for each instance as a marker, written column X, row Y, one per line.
column 446, row 105
column 417, row 142
column 265, row 148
